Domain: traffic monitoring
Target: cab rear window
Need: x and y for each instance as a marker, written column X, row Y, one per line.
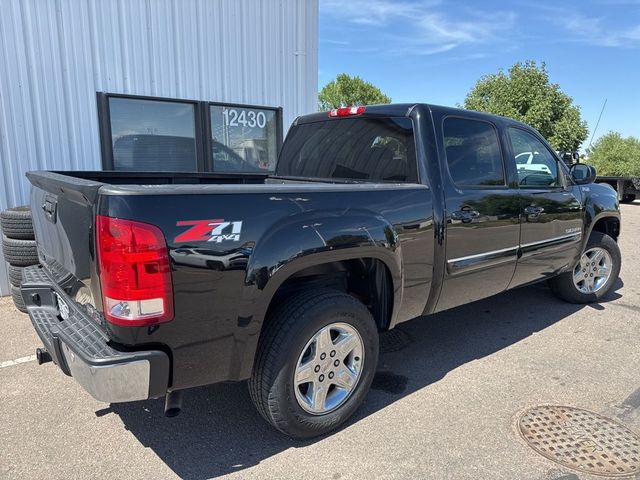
column 361, row 149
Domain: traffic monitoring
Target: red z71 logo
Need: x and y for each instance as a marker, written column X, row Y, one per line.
column 209, row 231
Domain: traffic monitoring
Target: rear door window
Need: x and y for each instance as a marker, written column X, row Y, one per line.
column 364, row 149
column 473, row 153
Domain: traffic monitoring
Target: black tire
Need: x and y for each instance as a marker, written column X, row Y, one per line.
column 563, row 285
column 17, row 299
column 16, row 223
column 628, row 198
column 20, row 253
column 15, row 275
column 288, row 330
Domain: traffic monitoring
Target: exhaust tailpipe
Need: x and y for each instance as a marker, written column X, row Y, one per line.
column 42, row 356
column 173, row 403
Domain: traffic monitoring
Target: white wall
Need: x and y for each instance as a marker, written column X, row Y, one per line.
column 55, row 56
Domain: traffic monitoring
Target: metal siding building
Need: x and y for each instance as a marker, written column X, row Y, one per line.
column 55, row 56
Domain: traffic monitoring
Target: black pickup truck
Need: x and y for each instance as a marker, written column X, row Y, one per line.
column 151, row 283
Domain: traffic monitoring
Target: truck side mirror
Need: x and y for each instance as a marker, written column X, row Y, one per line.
column 582, row 174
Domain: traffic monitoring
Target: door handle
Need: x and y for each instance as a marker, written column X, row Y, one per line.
column 465, row 214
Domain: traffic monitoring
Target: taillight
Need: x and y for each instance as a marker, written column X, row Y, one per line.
column 346, row 111
column 135, row 273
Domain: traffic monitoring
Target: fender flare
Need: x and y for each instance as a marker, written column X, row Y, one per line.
column 320, row 238
column 591, row 218
column 600, row 202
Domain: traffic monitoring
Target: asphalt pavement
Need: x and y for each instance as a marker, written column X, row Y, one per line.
column 444, row 403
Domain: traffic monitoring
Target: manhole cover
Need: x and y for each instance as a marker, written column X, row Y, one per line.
column 393, row 340
column 581, row 440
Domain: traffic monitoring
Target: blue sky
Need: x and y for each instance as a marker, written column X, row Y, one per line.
column 434, row 51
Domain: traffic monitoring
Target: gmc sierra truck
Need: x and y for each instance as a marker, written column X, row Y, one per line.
column 152, row 283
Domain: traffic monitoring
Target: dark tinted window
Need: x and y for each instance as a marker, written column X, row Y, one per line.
column 367, row 149
column 537, row 167
column 473, row 152
column 152, row 135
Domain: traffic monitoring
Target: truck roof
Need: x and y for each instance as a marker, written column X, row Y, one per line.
column 403, row 109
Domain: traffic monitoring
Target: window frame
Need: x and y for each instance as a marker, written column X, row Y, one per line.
column 202, row 128
column 562, row 174
column 207, row 126
column 496, row 130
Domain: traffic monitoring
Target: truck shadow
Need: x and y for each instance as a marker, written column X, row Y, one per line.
column 220, row 432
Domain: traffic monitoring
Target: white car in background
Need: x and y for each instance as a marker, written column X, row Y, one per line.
column 531, row 161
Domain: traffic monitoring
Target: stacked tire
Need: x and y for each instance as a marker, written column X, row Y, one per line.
column 18, row 247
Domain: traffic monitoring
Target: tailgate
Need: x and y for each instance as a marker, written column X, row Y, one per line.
column 63, row 220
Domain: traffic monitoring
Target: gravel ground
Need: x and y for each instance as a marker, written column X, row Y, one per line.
column 443, row 404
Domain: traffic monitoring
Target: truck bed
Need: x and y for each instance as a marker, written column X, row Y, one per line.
column 165, row 178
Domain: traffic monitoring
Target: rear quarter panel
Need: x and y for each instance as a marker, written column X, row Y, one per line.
column 221, row 298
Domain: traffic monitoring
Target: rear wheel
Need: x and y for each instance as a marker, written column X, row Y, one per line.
column 315, row 363
column 628, row 198
column 595, row 273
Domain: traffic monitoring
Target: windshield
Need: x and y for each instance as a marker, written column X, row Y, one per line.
column 363, row 149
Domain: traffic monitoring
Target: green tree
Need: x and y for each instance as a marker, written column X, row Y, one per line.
column 613, row 154
column 347, row 91
column 526, row 94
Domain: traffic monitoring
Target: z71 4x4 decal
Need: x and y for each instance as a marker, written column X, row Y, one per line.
column 209, row 231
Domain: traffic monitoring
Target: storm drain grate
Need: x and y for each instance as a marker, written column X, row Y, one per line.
column 581, row 440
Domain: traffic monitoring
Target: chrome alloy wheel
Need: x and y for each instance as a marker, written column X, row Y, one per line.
column 329, row 368
column 593, row 270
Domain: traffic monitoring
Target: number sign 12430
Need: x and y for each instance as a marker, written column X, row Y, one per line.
column 235, row 117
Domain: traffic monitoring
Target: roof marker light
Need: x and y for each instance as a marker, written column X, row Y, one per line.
column 346, row 111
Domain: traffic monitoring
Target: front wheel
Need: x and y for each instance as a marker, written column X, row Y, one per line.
column 315, row 363
column 594, row 275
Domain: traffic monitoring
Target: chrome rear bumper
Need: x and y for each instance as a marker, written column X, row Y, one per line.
column 80, row 347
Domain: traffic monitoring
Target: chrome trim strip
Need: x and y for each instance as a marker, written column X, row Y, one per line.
column 577, row 236
column 551, row 240
column 484, row 254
